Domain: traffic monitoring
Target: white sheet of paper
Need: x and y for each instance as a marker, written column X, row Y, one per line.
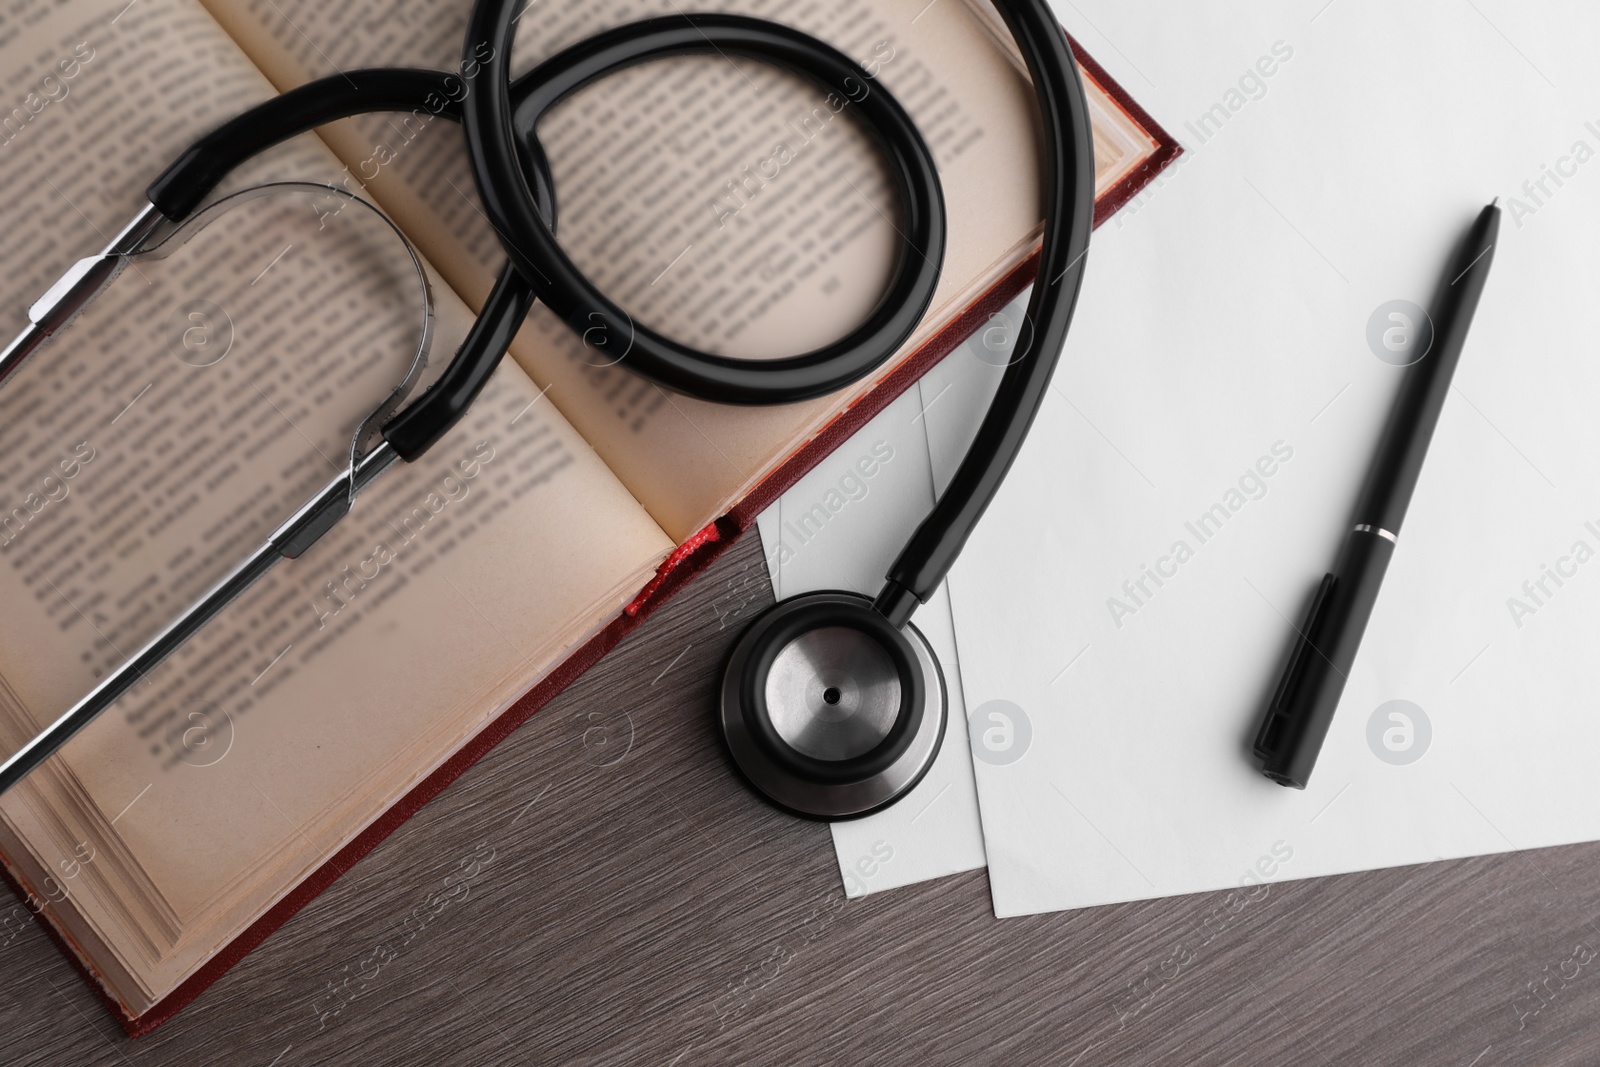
column 1222, row 334
column 849, row 544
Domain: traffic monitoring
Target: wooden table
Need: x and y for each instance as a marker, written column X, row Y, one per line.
column 641, row 908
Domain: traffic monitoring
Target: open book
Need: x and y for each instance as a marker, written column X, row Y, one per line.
column 136, row 464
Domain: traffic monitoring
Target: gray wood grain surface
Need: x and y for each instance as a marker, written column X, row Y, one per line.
column 628, row 903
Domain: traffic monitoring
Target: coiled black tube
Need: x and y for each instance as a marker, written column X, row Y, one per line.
column 495, row 124
column 1068, row 171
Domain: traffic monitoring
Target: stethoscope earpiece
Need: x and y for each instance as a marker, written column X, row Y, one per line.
column 828, row 710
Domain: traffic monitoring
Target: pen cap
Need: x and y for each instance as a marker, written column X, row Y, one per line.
column 1296, row 723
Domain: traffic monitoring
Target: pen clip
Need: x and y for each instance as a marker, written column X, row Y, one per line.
column 1275, row 727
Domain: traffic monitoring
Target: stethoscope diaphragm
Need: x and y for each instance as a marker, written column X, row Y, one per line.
column 828, row 710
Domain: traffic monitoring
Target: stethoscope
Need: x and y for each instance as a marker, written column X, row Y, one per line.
column 832, row 705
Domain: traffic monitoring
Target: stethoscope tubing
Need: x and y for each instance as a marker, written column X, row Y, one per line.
column 495, row 123
column 1067, row 169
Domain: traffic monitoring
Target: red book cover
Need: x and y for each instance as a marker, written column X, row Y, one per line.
column 692, row 557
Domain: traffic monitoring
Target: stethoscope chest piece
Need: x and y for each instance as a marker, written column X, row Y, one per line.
column 829, row 710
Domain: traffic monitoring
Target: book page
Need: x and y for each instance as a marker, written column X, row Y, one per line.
column 718, row 200
column 192, row 408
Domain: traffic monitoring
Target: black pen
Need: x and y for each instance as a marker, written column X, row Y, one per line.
column 1301, row 711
